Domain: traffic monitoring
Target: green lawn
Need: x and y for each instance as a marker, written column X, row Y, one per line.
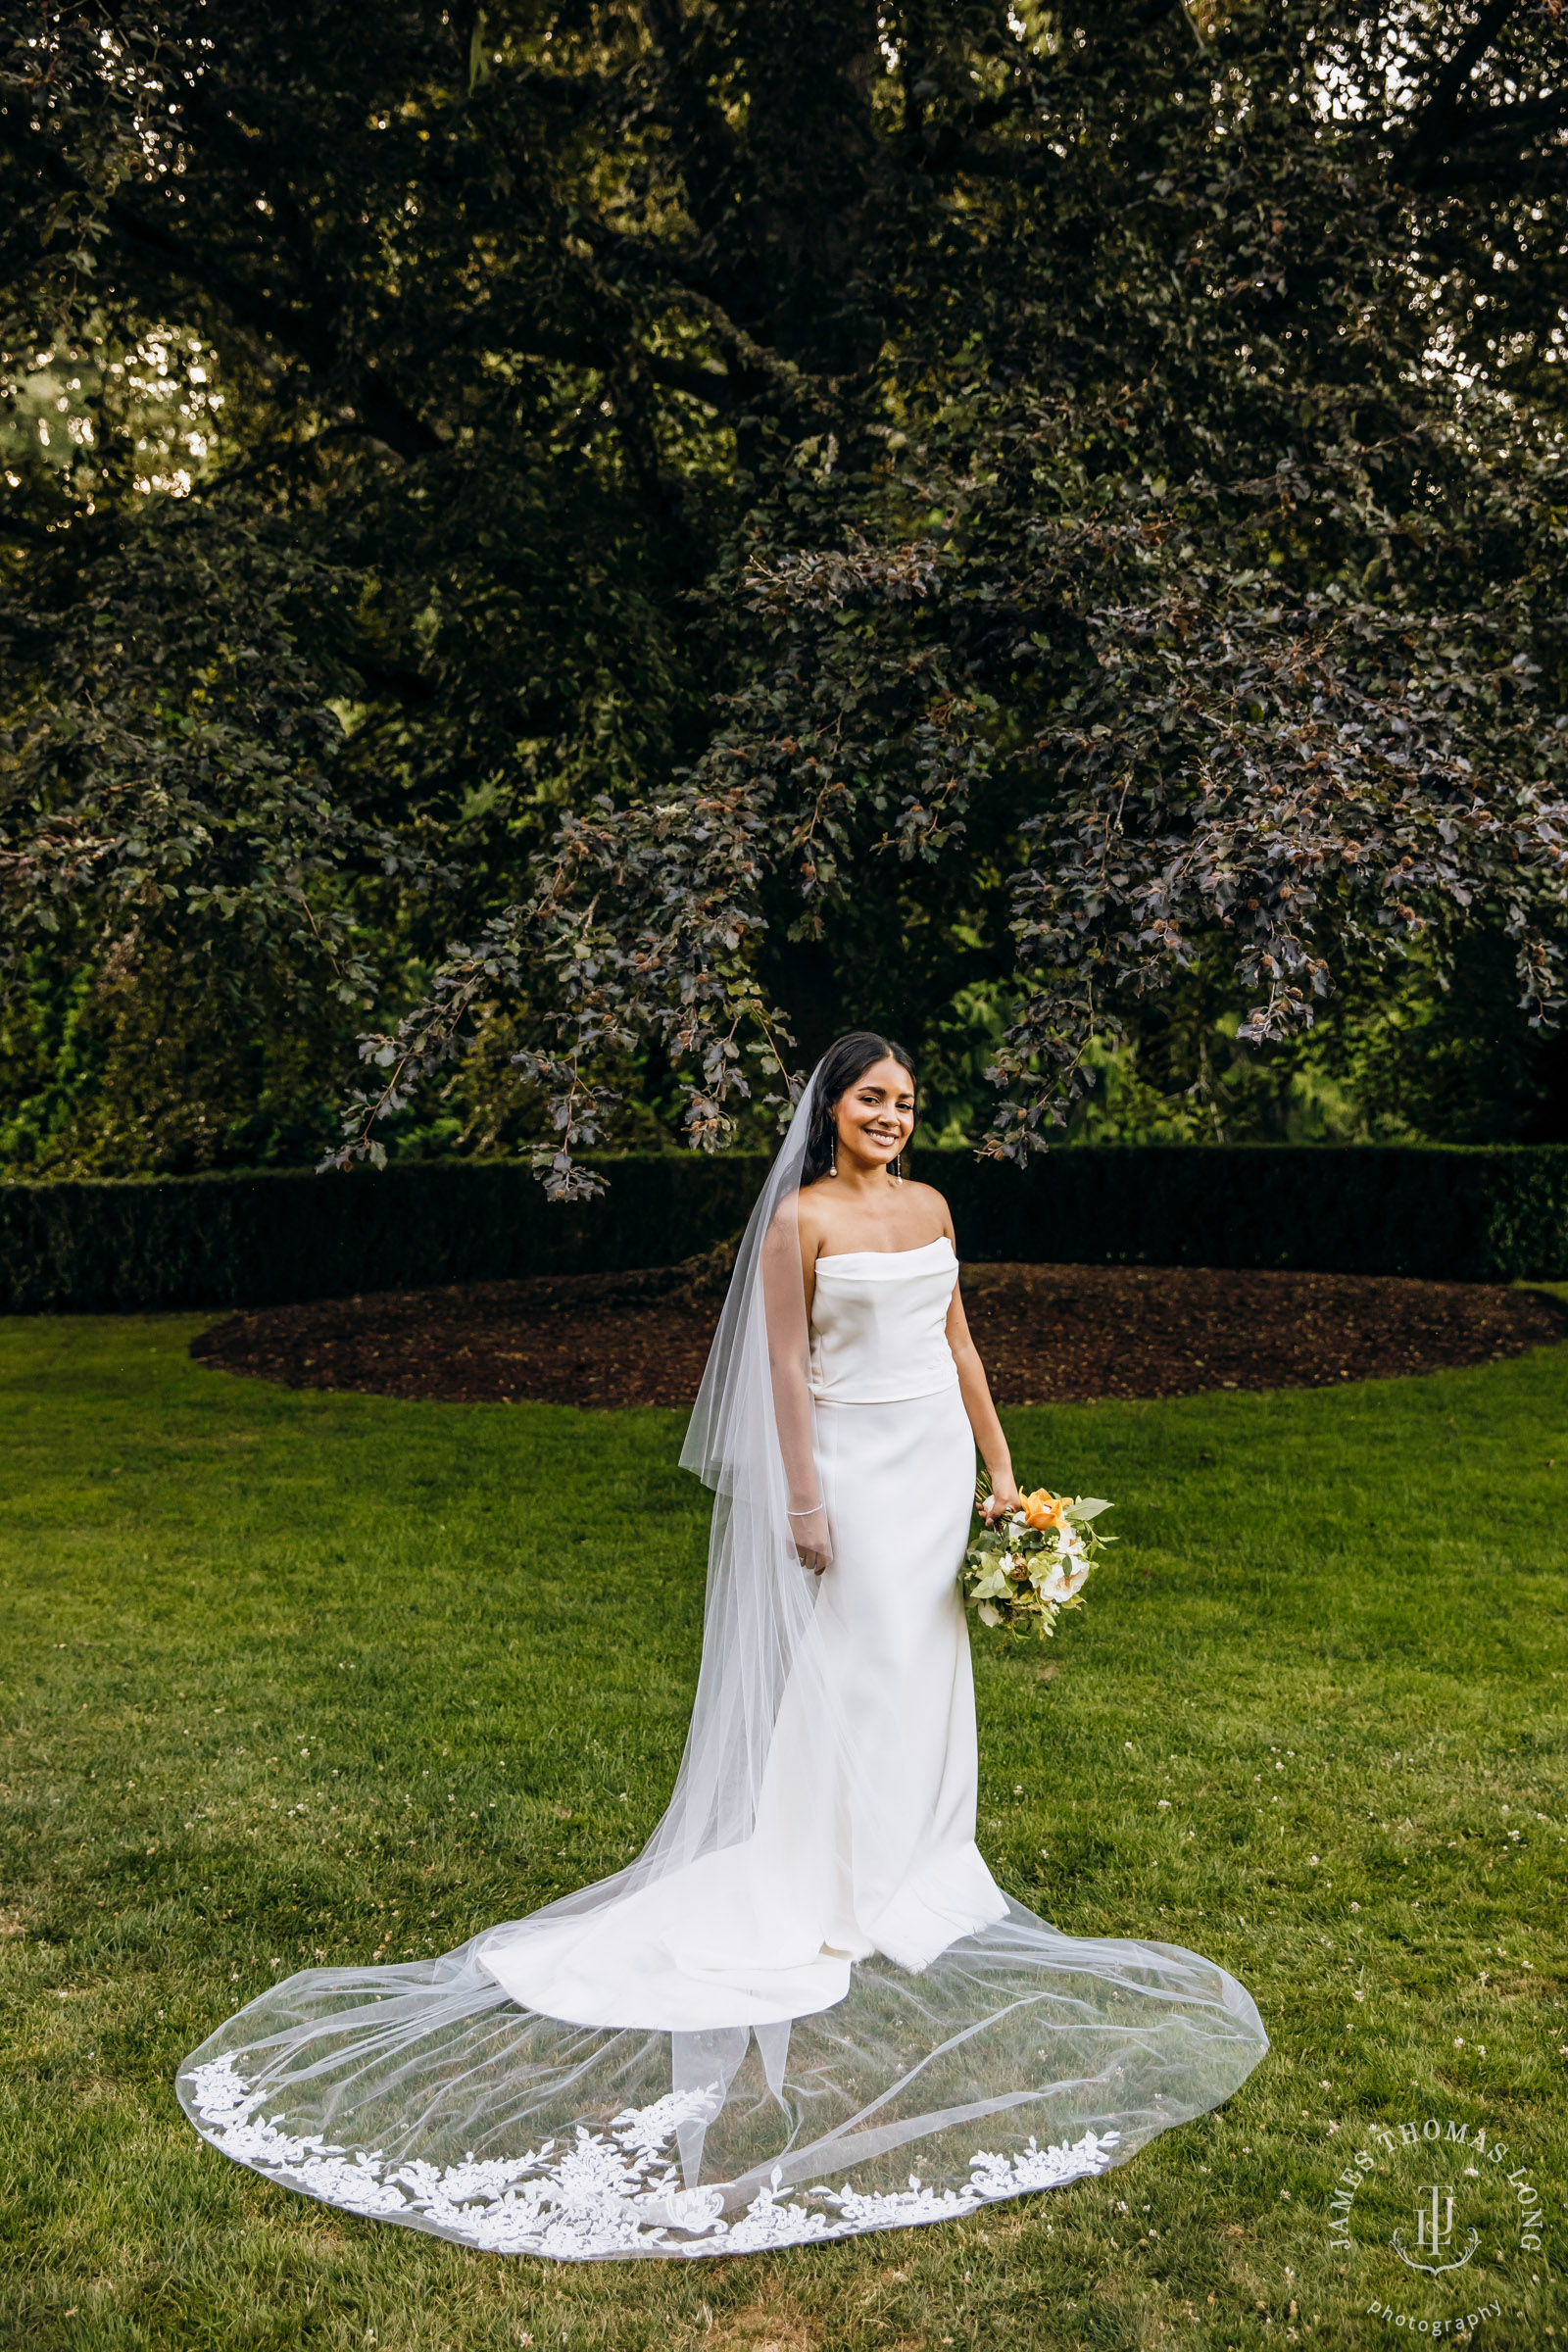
column 292, row 1676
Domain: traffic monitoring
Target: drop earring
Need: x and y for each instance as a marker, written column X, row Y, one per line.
column 898, row 1167
column 833, row 1160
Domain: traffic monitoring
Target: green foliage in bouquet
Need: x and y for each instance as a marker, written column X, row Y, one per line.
column 1024, row 1567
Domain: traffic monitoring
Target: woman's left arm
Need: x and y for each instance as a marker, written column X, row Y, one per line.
column 975, row 1391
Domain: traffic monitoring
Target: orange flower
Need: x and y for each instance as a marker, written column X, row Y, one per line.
column 1043, row 1510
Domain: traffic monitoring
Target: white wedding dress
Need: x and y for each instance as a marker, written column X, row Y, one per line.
column 809, row 1981
column 838, row 1867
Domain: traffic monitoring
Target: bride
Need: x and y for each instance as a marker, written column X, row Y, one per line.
column 806, row 2009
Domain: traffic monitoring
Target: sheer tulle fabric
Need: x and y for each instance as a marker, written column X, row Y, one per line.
column 806, row 2010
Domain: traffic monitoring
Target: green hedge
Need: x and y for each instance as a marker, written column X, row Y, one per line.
column 255, row 1239
column 1447, row 1213
column 258, row 1240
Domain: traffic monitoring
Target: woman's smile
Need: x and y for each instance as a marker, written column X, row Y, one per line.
column 875, row 1116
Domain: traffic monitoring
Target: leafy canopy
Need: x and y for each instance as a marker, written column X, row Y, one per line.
column 731, row 511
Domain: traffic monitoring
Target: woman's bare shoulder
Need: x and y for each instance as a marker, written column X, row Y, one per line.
column 926, row 1196
column 801, row 1209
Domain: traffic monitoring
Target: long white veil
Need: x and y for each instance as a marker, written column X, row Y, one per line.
column 425, row 2093
column 753, row 1412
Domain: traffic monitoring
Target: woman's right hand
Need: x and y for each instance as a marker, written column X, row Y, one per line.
column 814, row 1545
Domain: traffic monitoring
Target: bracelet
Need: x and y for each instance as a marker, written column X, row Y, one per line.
column 804, row 1514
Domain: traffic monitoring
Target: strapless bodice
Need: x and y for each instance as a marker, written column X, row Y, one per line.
column 878, row 1324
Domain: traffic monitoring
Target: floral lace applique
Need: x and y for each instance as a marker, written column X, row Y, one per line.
column 603, row 2193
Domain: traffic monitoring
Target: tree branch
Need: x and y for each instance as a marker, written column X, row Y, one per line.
column 1517, row 175
column 1511, row 122
column 710, row 144
column 386, row 415
column 1433, row 126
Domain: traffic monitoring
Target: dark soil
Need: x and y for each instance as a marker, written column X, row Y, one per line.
column 1063, row 1333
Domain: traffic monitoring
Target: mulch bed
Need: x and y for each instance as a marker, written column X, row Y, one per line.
column 1045, row 1333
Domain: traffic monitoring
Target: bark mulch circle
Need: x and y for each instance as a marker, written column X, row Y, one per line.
column 1059, row 1334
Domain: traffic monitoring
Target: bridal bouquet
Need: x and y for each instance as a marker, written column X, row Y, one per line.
column 1024, row 1567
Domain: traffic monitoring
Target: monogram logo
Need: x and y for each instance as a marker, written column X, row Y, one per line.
column 1434, row 2232
column 1424, row 2208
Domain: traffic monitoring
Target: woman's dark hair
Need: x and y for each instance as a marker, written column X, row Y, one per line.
column 846, row 1060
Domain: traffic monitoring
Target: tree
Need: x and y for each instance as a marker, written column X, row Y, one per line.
column 800, row 507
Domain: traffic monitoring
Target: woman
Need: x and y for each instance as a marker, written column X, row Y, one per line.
column 809, row 1981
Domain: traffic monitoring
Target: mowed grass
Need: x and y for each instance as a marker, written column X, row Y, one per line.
column 300, row 1675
